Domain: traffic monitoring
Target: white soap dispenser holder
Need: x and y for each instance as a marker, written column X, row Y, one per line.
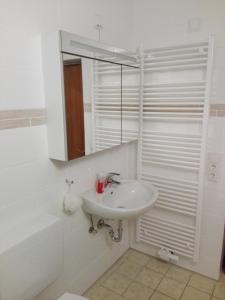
column 71, row 202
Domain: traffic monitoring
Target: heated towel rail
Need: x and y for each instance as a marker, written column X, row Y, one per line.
column 175, row 94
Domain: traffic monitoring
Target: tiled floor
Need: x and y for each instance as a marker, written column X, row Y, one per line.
column 136, row 276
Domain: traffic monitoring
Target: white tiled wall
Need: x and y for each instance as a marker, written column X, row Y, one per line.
column 31, row 183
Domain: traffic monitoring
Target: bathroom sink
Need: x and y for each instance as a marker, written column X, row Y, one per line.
column 129, row 199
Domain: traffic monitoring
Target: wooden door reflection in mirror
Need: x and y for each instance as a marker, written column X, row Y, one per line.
column 73, row 88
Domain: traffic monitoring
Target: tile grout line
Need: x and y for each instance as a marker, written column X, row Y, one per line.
column 108, row 270
column 174, row 280
column 164, row 275
column 196, row 288
column 213, row 290
column 133, row 280
column 155, row 290
column 115, row 271
column 186, row 286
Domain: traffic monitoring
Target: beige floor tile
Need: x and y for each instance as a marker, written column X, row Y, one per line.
column 101, row 293
column 138, row 291
column 114, row 296
column 158, row 265
column 159, row 296
column 125, row 255
column 96, row 293
column 149, row 278
column 222, row 277
column 202, row 283
column 192, row 294
column 171, row 288
column 112, row 269
column 128, row 252
column 103, row 278
column 121, row 259
column 138, row 258
column 179, row 274
column 117, row 283
column 219, row 291
column 129, row 268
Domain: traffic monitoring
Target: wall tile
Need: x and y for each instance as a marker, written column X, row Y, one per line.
column 22, row 118
column 16, row 123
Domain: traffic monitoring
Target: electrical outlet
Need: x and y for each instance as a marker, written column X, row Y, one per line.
column 212, row 171
column 214, row 167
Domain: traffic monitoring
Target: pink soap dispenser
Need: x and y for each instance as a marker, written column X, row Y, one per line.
column 100, row 182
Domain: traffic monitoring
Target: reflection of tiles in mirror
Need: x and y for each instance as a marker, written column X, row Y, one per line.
column 87, row 107
column 18, row 118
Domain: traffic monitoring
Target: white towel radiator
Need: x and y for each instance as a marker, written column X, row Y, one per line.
column 175, row 91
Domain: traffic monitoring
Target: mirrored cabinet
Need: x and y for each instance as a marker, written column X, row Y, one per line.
column 92, row 95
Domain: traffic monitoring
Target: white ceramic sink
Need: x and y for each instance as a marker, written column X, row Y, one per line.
column 130, row 199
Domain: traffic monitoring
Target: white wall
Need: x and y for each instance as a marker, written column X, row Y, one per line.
column 160, row 23
column 30, row 182
column 23, row 21
column 165, row 23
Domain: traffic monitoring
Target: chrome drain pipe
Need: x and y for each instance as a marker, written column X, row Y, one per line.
column 115, row 236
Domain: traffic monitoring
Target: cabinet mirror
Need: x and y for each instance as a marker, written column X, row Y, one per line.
column 92, row 95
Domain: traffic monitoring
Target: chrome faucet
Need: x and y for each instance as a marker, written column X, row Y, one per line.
column 110, row 179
